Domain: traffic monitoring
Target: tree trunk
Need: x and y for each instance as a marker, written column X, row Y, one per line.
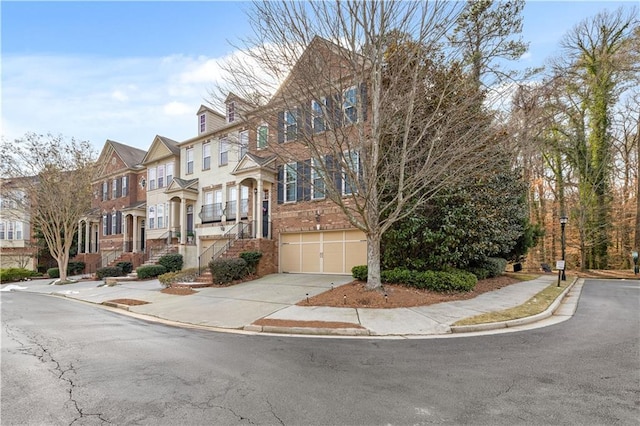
column 373, row 262
column 636, row 241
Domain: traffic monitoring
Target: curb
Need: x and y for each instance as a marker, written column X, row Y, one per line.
column 308, row 330
column 516, row 322
column 116, row 305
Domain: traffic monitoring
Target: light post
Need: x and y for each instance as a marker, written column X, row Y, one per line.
column 563, row 222
column 634, row 255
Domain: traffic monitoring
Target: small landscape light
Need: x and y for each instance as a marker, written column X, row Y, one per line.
column 307, row 298
column 386, row 298
column 345, row 299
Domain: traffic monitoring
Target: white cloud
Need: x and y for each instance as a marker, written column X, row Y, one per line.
column 129, row 100
column 177, row 108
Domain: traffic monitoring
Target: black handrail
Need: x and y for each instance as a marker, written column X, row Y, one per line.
column 238, row 231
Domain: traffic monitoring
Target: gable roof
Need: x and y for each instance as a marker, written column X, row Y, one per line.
column 316, row 47
column 204, row 108
column 129, row 155
column 170, row 144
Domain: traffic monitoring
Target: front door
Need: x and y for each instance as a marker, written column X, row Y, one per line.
column 142, row 237
column 265, row 218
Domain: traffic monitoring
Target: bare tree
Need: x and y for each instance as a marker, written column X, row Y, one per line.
column 383, row 113
column 55, row 180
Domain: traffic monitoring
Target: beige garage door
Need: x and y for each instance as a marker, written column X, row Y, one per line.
column 329, row 252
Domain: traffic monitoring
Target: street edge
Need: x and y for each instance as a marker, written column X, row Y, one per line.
column 517, row 322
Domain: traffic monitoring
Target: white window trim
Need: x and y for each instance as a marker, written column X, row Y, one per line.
column 287, row 125
column 345, row 176
column 266, row 136
column 318, row 114
column 353, row 105
column 290, row 169
column 189, row 161
column 223, row 150
column 316, row 174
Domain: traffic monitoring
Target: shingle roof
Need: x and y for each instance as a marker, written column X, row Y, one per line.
column 130, row 155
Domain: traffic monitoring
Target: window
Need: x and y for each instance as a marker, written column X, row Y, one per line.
column 217, row 203
column 18, row 230
column 125, row 186
column 2, row 231
column 105, row 191
column 244, row 143
column 114, row 223
column 317, row 181
column 290, row 182
column 353, row 164
column 290, row 126
column 105, row 225
column 152, row 217
column 114, row 188
column 161, row 176
column 169, row 173
column 206, row 156
column 224, row 152
column 189, row 161
column 350, row 99
column 232, row 197
column 203, row 123
column 151, row 178
column 10, row 229
column 231, row 112
column 244, row 201
column 262, row 136
column 317, row 115
column 160, row 216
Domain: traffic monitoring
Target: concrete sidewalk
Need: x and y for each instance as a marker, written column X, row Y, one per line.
column 274, row 297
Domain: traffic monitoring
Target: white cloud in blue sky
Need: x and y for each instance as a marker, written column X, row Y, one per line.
column 127, row 71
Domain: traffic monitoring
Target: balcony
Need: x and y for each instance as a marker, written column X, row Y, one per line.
column 211, row 213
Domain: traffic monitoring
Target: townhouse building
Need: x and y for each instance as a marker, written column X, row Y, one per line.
column 18, row 248
column 246, row 181
column 114, row 228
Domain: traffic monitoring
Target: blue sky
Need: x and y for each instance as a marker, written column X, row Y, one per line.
column 127, row 71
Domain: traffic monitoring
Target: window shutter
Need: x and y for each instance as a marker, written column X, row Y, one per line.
column 109, row 224
column 281, row 127
column 119, row 222
column 363, row 101
column 119, row 187
column 333, row 168
column 299, row 181
column 280, row 184
column 306, row 180
column 299, row 123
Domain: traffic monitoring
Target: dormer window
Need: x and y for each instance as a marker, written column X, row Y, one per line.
column 231, row 112
column 203, row 123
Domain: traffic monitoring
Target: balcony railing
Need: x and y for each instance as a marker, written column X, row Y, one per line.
column 211, row 213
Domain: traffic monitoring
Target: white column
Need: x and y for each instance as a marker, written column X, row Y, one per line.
column 135, row 233
column 269, row 210
column 259, row 209
column 238, row 200
column 79, row 234
column 87, row 236
column 183, row 220
column 124, row 233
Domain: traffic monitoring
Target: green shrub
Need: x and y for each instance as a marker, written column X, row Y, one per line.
column 184, row 276
column 108, row 271
column 252, row 258
column 53, row 272
column 75, row 268
column 489, row 268
column 172, row 262
column 360, row 272
column 479, row 272
column 15, row 274
column 150, row 271
column 440, row 281
column 226, row 270
column 126, row 267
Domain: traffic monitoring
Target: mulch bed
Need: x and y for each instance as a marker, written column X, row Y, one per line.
column 129, row 302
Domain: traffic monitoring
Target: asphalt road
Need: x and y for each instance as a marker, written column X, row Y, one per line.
column 65, row 362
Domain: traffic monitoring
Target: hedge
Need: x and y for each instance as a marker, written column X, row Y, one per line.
column 172, row 262
column 360, row 272
column 126, row 267
column 108, row 271
column 53, row 272
column 150, row 271
column 16, row 274
column 440, row 281
column 226, row 270
column 489, row 268
column 75, row 268
column 185, row 276
column 252, row 258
